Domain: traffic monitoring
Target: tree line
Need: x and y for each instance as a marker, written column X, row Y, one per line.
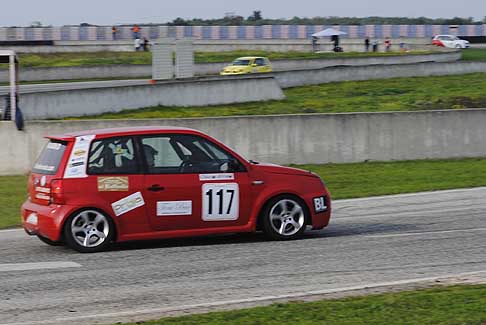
column 257, row 19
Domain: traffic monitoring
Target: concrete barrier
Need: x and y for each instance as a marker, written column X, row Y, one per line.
column 293, row 139
column 274, row 45
column 208, row 91
column 145, row 71
column 288, row 79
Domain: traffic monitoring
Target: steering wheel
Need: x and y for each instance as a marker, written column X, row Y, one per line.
column 185, row 166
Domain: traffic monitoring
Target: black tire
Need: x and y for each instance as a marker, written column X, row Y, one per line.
column 93, row 224
column 280, row 221
column 49, row 242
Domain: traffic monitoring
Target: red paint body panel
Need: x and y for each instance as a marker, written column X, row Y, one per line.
column 256, row 186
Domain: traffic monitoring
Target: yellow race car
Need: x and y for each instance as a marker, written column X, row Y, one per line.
column 247, row 64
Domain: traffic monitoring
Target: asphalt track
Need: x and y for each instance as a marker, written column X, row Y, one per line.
column 370, row 242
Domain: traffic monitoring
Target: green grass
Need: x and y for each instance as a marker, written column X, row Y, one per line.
column 474, row 55
column 449, row 305
column 382, row 178
column 399, row 94
column 43, row 60
column 343, row 180
column 13, row 192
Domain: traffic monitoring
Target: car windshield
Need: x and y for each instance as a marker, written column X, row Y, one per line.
column 240, row 62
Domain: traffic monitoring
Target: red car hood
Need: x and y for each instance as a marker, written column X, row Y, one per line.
column 277, row 169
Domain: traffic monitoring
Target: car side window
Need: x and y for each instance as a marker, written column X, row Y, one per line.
column 160, row 155
column 113, row 156
column 259, row 61
column 183, row 154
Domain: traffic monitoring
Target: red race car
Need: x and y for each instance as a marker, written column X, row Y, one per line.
column 92, row 188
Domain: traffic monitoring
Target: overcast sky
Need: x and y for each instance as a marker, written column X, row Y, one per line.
column 108, row 12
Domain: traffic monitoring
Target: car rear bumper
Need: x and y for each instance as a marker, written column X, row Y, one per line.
column 44, row 220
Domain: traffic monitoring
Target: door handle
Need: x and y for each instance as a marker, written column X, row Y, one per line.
column 155, row 188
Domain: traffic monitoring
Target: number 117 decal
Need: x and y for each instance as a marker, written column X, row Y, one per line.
column 220, row 201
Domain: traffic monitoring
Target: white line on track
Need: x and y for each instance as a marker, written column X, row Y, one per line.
column 427, row 233
column 37, row 266
column 161, row 311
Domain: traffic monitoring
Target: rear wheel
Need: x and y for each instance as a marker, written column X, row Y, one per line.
column 89, row 231
column 284, row 218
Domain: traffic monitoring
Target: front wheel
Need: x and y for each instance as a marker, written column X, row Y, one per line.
column 284, row 218
column 89, row 231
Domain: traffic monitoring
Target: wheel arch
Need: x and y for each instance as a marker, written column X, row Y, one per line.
column 265, row 202
column 108, row 215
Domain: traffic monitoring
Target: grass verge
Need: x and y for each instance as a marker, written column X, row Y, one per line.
column 398, row 94
column 344, row 180
column 474, row 55
column 13, row 192
column 449, row 305
column 47, row 60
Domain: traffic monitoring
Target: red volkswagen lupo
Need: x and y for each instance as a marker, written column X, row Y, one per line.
column 92, row 188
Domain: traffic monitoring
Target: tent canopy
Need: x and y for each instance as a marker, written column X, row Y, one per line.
column 328, row 32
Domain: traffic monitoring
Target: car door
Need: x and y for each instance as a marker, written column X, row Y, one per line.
column 115, row 181
column 261, row 65
column 448, row 41
column 191, row 183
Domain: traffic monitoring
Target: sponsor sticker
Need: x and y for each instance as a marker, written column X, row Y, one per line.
column 43, row 189
column 79, row 157
column 47, row 168
column 320, row 204
column 174, row 208
column 128, row 203
column 113, row 184
column 220, row 201
column 41, row 196
column 54, row 146
column 217, row 177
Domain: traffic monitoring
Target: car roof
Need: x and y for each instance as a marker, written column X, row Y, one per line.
column 251, row 57
column 109, row 132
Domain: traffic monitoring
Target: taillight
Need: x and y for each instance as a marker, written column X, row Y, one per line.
column 57, row 196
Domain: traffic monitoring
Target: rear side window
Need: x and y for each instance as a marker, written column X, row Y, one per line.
column 50, row 158
column 113, row 156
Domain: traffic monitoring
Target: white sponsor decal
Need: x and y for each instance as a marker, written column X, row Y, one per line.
column 128, row 203
column 217, row 177
column 220, row 201
column 319, row 204
column 43, row 189
column 54, row 146
column 174, row 208
column 32, row 219
column 78, row 159
column 41, row 196
column 47, row 168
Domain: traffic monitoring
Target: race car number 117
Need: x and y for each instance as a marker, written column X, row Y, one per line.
column 220, row 201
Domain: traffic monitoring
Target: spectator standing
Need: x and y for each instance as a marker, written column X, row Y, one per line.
column 314, row 43
column 136, row 31
column 145, row 44
column 137, row 44
column 375, row 45
column 367, row 44
column 114, row 32
column 387, row 44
